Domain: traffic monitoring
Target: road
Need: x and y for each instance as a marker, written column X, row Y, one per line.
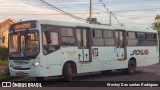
column 149, row 73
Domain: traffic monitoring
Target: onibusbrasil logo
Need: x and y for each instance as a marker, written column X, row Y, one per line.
column 18, row 84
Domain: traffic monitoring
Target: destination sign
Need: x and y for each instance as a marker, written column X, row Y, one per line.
column 23, row 25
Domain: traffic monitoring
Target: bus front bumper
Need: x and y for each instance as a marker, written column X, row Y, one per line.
column 35, row 72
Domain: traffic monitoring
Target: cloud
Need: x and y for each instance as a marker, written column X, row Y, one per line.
column 21, row 10
column 126, row 11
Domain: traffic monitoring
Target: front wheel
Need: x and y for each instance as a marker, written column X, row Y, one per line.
column 68, row 72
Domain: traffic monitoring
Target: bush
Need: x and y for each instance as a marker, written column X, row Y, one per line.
column 3, row 53
column 3, row 60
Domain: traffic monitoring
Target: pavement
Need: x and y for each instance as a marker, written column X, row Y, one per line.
column 153, row 69
column 147, row 70
column 148, row 73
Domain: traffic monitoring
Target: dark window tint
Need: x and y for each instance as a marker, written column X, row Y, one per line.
column 141, row 35
column 155, row 36
column 151, row 36
column 143, row 39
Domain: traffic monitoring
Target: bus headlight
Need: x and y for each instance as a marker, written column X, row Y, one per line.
column 36, row 63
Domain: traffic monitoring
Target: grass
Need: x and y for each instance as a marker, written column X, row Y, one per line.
column 4, row 77
column 3, row 62
column 7, row 77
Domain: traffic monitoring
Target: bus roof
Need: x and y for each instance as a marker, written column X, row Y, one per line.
column 96, row 26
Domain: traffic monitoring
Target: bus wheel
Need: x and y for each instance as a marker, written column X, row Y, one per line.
column 40, row 78
column 68, row 72
column 131, row 67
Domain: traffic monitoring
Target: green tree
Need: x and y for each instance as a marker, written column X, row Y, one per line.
column 156, row 24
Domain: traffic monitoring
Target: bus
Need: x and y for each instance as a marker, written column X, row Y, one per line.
column 45, row 48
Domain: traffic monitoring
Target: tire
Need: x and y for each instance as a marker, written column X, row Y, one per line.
column 40, row 78
column 131, row 67
column 68, row 72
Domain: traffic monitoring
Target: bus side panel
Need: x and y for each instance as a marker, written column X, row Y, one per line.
column 72, row 54
column 144, row 55
column 69, row 53
column 53, row 63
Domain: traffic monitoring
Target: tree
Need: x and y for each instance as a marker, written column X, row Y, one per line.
column 156, row 24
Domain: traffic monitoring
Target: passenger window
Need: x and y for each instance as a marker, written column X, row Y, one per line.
column 54, row 38
column 68, row 36
column 98, row 38
column 132, row 35
column 151, row 36
column 108, row 37
column 97, row 33
column 141, row 35
column 50, row 44
column 79, row 39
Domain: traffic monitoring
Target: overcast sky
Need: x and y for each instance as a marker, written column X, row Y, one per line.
column 132, row 13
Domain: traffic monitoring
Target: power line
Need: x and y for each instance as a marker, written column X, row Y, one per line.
column 60, row 10
column 104, row 5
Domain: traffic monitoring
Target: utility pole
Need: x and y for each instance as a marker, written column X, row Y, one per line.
column 90, row 14
column 110, row 17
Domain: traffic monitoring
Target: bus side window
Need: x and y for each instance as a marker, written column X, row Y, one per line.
column 116, row 39
column 79, row 39
column 52, row 43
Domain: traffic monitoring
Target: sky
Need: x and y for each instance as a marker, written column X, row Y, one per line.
column 132, row 13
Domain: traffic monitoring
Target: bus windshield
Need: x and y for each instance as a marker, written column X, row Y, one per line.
column 24, row 44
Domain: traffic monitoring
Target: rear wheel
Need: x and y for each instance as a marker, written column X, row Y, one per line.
column 40, row 78
column 68, row 72
column 131, row 67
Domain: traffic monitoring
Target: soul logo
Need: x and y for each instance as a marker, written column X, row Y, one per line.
column 140, row 52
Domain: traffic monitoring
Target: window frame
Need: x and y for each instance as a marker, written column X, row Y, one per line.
column 97, row 37
column 43, row 29
column 74, row 36
column 113, row 37
column 145, row 39
column 131, row 37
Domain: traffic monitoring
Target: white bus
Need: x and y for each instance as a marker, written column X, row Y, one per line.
column 43, row 48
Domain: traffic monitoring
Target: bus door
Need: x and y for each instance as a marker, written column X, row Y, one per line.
column 83, row 44
column 120, row 36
